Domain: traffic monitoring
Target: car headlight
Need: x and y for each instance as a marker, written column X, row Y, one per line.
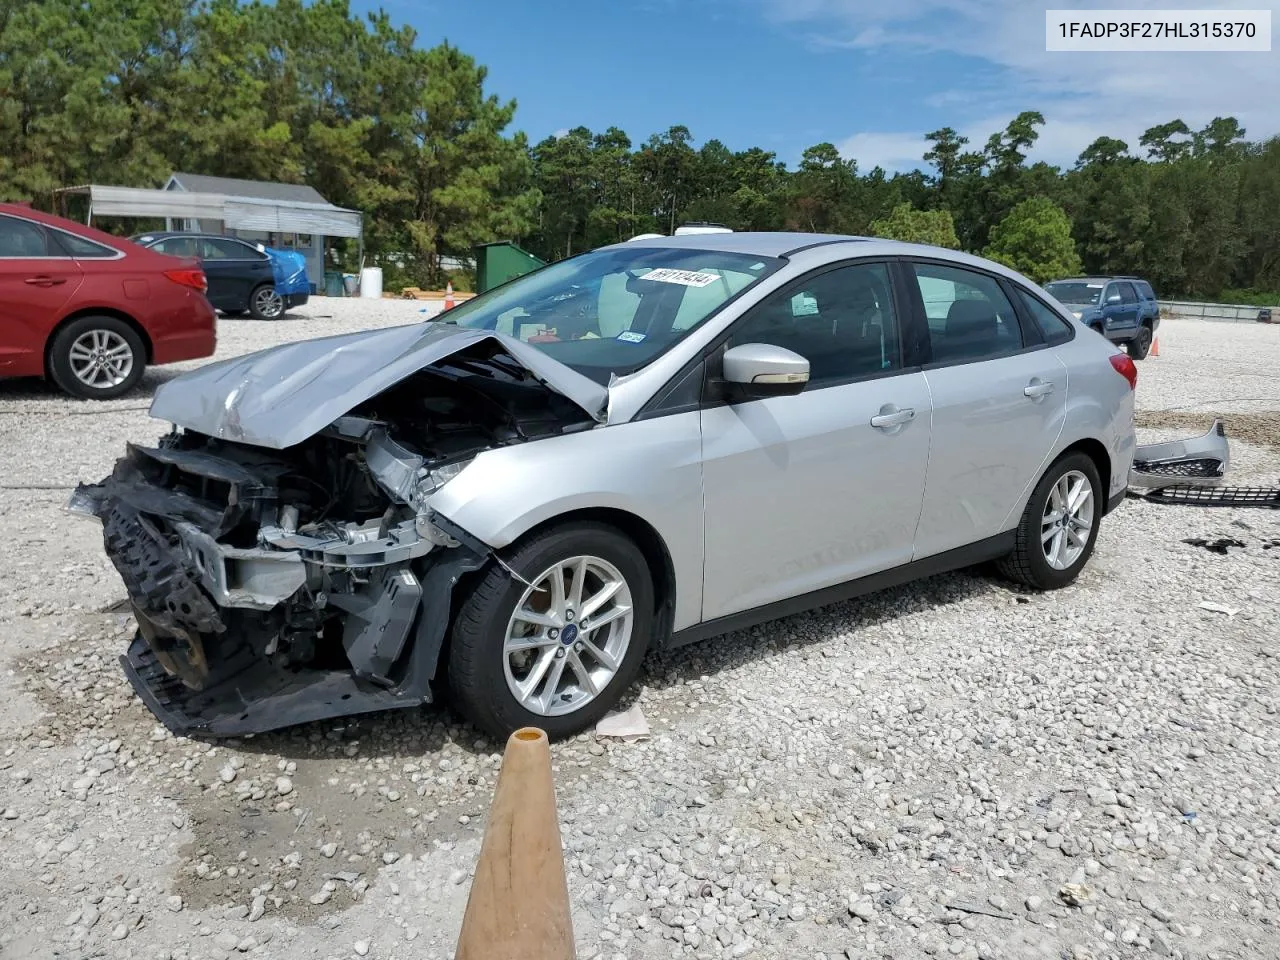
column 438, row 477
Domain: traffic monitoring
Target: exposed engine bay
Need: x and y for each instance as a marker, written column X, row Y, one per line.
column 277, row 586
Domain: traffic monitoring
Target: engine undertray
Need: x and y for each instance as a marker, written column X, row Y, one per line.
column 255, row 698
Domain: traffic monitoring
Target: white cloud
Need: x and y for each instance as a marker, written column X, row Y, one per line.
column 561, row 133
column 893, row 151
column 1082, row 95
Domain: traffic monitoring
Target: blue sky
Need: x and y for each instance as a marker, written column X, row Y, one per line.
column 871, row 76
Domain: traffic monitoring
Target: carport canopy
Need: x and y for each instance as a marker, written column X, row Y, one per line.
column 236, row 213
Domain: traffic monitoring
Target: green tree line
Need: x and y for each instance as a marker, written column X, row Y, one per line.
column 127, row 91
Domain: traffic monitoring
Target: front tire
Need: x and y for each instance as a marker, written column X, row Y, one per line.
column 265, row 303
column 97, row 358
column 558, row 652
column 1059, row 527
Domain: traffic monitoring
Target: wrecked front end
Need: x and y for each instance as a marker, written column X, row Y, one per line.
column 273, row 587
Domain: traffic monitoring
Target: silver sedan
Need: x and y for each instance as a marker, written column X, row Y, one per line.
column 636, row 448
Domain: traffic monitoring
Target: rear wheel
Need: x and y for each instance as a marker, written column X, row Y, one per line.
column 265, row 303
column 1140, row 345
column 558, row 650
column 97, row 358
column 1059, row 527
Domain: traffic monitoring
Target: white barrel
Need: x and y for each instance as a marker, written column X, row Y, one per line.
column 371, row 283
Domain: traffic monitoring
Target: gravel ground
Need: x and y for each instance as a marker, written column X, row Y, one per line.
column 953, row 768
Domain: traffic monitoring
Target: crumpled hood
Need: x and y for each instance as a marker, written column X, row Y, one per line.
column 282, row 395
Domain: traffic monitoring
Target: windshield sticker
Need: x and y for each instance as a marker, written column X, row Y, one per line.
column 686, row 278
column 630, row 336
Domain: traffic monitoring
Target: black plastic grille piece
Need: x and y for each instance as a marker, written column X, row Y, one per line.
column 1218, row 496
column 1204, row 467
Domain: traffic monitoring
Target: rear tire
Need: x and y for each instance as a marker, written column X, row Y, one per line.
column 1140, row 345
column 265, row 303
column 483, row 668
column 97, row 358
column 1052, row 546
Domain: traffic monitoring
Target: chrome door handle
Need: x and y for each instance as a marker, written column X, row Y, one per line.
column 1037, row 389
column 892, row 417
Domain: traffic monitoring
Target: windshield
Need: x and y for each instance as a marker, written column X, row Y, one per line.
column 615, row 310
column 1075, row 291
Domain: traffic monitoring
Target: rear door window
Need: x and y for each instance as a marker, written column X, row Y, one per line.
column 222, row 249
column 20, row 239
column 178, row 246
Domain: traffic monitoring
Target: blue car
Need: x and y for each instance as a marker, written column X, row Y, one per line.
column 242, row 276
column 1122, row 309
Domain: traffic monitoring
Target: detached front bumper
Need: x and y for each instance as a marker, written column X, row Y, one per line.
column 1191, row 473
column 1198, row 462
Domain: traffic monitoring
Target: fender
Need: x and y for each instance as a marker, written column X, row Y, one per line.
column 506, row 492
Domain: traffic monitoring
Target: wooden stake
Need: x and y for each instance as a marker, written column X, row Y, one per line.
column 518, row 908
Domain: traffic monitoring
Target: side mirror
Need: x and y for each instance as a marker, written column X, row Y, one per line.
column 1113, row 299
column 755, row 371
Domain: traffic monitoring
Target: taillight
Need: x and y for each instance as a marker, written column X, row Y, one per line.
column 189, row 278
column 1126, row 368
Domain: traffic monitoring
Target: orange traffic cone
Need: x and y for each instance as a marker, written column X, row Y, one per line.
column 518, row 908
column 1155, row 347
column 448, row 295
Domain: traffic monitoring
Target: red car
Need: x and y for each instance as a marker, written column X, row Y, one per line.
column 90, row 311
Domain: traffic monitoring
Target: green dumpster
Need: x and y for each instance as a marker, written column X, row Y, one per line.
column 496, row 263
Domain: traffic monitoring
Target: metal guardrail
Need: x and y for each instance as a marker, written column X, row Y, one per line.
column 1212, row 311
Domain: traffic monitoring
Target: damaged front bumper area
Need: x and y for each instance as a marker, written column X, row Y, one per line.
column 255, row 609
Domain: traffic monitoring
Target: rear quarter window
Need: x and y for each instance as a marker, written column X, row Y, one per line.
column 80, row 248
column 1055, row 329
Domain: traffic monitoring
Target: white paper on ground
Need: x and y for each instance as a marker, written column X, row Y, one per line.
column 1219, row 608
column 629, row 723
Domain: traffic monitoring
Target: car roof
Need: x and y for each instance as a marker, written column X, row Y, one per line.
column 1099, row 279
column 758, row 244
column 64, row 224
column 817, row 248
column 195, row 235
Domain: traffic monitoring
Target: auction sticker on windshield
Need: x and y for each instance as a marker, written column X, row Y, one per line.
column 686, row 278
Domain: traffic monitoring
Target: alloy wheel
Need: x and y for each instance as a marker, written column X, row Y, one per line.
column 568, row 636
column 101, row 359
column 267, row 303
column 1067, row 520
